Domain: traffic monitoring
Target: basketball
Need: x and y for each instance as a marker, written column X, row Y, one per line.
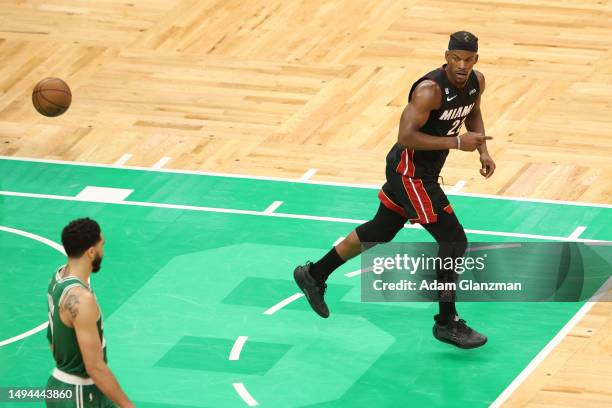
column 51, row 97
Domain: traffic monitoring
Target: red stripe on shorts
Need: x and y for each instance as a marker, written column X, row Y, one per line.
column 387, row 202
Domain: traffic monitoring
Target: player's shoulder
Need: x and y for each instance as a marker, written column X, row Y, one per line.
column 479, row 75
column 481, row 79
column 84, row 308
column 427, row 90
column 80, row 295
column 80, row 289
column 428, row 86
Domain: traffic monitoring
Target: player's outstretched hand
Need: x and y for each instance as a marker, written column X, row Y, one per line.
column 488, row 165
column 471, row 140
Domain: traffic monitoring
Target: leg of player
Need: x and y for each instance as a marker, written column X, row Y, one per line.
column 449, row 328
column 311, row 277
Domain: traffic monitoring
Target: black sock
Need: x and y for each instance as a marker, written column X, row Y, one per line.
column 324, row 267
column 447, row 312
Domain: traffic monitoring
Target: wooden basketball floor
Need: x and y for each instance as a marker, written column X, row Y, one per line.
column 314, row 90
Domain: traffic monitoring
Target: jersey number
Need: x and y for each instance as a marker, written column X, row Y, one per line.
column 454, row 130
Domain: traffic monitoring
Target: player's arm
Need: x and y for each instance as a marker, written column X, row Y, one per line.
column 50, row 337
column 426, row 97
column 474, row 123
column 84, row 314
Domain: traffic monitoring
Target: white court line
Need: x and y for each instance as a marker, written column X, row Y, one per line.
column 306, row 176
column 551, row 345
column 521, row 235
column 283, row 303
column 161, row 163
column 23, row 335
column 49, row 243
column 500, row 246
column 35, row 237
column 123, row 159
column 339, row 240
column 284, row 215
column 288, row 180
column 457, row 187
column 272, row 207
column 188, row 208
column 534, row 200
column 244, row 394
column 577, row 232
column 357, row 272
column 104, row 194
column 237, row 348
column 520, row 199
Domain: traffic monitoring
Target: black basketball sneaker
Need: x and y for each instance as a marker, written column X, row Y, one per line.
column 459, row 334
column 313, row 289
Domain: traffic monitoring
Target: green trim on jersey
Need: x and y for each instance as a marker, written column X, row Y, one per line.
column 66, row 352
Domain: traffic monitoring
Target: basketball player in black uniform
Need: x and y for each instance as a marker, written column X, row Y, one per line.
column 440, row 103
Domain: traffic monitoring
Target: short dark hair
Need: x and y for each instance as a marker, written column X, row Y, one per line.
column 463, row 40
column 80, row 235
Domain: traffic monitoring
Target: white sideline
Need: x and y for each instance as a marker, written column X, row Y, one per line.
column 550, row 346
column 282, row 215
column 288, row 180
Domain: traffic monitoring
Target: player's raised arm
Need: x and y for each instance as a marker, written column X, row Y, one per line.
column 85, row 313
column 474, row 122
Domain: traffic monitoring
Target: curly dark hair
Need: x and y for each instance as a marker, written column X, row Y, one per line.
column 80, row 235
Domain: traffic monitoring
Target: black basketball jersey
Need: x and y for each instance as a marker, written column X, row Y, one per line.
column 444, row 122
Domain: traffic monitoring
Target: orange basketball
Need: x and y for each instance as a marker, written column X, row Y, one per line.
column 51, row 97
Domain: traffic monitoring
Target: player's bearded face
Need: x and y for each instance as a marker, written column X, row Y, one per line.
column 461, row 64
column 96, row 263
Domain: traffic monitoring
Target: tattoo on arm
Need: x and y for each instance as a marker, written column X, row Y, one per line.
column 71, row 304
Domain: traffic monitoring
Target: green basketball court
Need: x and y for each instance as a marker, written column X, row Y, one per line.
column 197, row 292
